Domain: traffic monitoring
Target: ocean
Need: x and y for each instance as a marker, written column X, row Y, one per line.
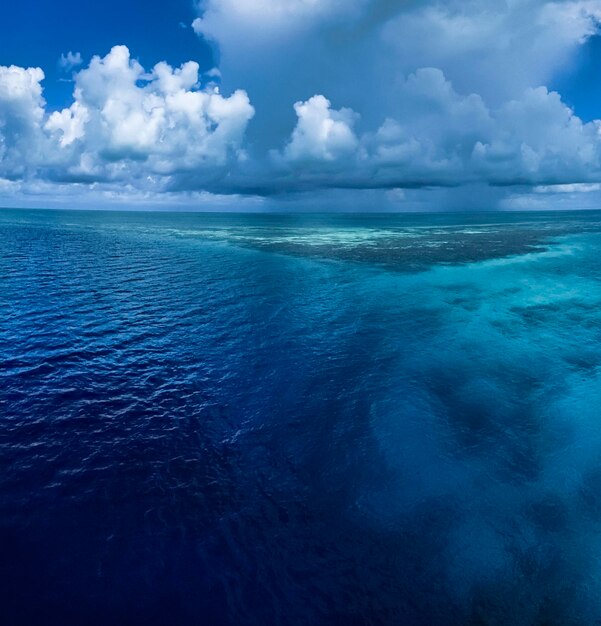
column 227, row 419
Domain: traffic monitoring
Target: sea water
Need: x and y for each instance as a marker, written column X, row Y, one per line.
column 227, row 419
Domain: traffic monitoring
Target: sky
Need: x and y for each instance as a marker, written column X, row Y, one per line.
column 318, row 105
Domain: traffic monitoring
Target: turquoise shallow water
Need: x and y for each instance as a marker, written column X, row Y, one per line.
column 228, row 419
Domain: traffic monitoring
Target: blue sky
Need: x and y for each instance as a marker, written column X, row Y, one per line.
column 579, row 82
column 37, row 33
column 301, row 104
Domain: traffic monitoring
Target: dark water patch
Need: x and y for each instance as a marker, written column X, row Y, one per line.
column 550, row 514
column 417, row 253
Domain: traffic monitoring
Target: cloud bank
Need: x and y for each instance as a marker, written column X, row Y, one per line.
column 124, row 127
column 381, row 97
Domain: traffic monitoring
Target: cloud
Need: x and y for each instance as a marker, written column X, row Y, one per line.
column 533, row 139
column 321, row 134
column 70, row 60
column 160, row 130
column 161, row 118
column 323, row 95
column 21, row 117
column 569, row 188
column 124, row 124
column 275, row 19
column 439, row 137
column 496, row 49
column 354, row 52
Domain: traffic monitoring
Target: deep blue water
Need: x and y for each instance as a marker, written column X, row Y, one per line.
column 257, row 420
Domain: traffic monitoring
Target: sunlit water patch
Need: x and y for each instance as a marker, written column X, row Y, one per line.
column 300, row 420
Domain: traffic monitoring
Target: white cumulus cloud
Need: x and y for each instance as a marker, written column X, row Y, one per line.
column 123, row 124
column 21, row 117
column 321, row 134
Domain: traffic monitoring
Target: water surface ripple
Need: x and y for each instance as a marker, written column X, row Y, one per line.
column 233, row 419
